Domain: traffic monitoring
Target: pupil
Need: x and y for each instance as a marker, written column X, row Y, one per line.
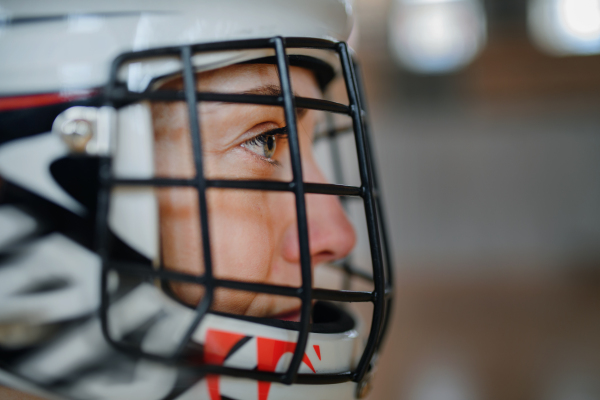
column 270, row 144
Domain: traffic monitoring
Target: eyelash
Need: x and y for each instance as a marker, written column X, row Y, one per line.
column 280, row 133
column 259, row 140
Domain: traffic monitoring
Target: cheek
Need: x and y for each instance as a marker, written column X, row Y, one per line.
column 246, row 229
column 243, row 241
column 180, row 230
column 243, row 234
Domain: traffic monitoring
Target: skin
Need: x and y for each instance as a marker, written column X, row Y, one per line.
column 253, row 233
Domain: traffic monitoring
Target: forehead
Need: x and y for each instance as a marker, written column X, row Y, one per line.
column 241, row 78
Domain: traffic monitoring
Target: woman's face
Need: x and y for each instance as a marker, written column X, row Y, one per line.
column 254, row 234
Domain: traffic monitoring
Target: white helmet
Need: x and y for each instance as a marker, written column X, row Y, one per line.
column 91, row 305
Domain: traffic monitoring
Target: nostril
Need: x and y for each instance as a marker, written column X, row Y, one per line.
column 323, row 256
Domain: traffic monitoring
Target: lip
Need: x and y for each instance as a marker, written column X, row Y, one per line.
column 293, row 315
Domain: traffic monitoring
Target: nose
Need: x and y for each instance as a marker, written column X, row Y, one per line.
column 331, row 236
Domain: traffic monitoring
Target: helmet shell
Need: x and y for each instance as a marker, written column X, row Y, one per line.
column 69, row 45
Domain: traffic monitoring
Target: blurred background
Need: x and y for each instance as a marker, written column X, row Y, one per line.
column 486, row 122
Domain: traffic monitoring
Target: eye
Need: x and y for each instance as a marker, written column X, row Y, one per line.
column 265, row 144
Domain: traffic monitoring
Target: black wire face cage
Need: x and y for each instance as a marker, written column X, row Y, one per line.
column 381, row 295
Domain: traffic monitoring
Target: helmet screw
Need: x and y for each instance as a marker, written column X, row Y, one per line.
column 76, row 133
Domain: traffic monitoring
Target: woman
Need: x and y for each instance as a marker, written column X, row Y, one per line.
column 162, row 209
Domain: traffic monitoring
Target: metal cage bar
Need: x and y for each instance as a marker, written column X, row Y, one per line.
column 380, row 209
column 124, row 95
column 189, row 82
column 141, row 270
column 382, row 292
column 279, row 186
column 305, row 259
column 370, row 213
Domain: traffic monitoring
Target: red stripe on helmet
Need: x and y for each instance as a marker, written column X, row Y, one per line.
column 45, row 99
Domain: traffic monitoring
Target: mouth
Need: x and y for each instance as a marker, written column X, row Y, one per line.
column 293, row 315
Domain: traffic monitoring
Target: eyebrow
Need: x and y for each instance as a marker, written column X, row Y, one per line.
column 272, row 90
